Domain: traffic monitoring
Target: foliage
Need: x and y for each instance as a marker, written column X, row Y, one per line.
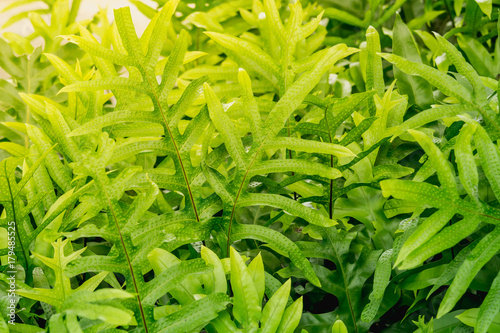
column 251, row 166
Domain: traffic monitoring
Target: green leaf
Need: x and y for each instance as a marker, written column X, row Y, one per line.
column 463, row 67
column 247, row 55
column 291, row 317
column 246, row 308
column 226, row 128
column 256, row 270
column 113, row 118
column 292, row 207
column 445, row 239
column 467, row 168
column 309, row 146
column 297, row 92
column 490, row 308
column 452, row 268
column 344, row 17
column 295, row 165
column 380, row 282
column 470, row 318
column 489, row 158
column 486, row 6
column 444, row 171
column 479, row 256
column 478, row 55
column 418, row 90
column 196, row 314
column 274, row 309
column 279, row 241
column 443, row 82
column 339, row 327
column 100, row 51
column 374, row 73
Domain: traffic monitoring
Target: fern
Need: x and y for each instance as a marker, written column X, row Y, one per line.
column 248, row 284
column 250, row 166
column 429, row 239
column 245, row 161
column 83, row 302
column 62, row 20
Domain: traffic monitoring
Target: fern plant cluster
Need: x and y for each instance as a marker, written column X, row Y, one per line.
column 251, row 166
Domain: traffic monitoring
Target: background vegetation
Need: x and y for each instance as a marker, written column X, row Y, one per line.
column 252, row 166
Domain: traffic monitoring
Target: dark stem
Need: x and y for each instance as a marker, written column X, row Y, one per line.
column 129, row 262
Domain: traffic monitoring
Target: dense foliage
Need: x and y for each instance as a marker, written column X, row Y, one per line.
column 252, row 166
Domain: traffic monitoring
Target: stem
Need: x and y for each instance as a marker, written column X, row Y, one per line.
column 127, row 257
column 346, row 287
column 158, row 107
column 330, row 201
